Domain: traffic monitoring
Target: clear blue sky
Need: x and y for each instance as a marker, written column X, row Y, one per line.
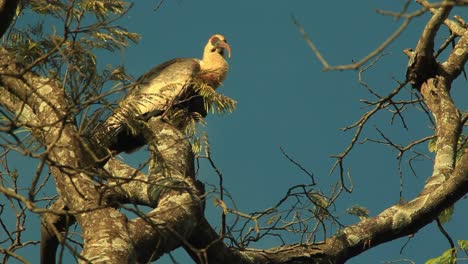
column 285, row 100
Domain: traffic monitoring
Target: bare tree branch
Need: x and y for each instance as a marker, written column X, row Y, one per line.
column 372, row 54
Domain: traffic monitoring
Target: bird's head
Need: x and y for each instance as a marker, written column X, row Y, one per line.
column 213, row 65
column 217, row 43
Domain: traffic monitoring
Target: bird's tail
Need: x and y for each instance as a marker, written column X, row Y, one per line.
column 120, row 132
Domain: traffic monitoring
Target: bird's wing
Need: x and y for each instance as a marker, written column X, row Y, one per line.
column 151, row 95
column 157, row 90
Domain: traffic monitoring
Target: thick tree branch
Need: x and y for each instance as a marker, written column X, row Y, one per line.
column 64, row 151
column 125, row 184
column 168, row 226
column 172, row 192
column 449, row 185
column 397, row 221
column 178, row 209
column 422, row 64
column 205, row 246
column 452, row 25
column 448, row 128
column 457, row 59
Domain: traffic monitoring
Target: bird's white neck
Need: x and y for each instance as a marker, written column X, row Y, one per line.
column 214, row 67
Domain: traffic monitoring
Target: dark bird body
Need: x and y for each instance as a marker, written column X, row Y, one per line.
column 168, row 86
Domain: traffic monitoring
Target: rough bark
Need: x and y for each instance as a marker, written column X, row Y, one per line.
column 422, row 64
column 397, row 221
column 109, row 237
column 64, row 152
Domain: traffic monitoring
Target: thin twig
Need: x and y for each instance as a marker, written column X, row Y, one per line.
column 311, row 175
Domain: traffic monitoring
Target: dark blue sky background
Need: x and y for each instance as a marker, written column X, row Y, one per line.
column 286, row 100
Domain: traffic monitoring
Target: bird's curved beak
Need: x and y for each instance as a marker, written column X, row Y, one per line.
column 224, row 45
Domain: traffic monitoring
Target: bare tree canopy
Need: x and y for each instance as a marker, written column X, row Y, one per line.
column 71, row 102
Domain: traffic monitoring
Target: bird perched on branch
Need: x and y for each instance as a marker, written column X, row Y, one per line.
column 178, row 84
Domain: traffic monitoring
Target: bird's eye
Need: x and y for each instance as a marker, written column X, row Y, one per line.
column 214, row 41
